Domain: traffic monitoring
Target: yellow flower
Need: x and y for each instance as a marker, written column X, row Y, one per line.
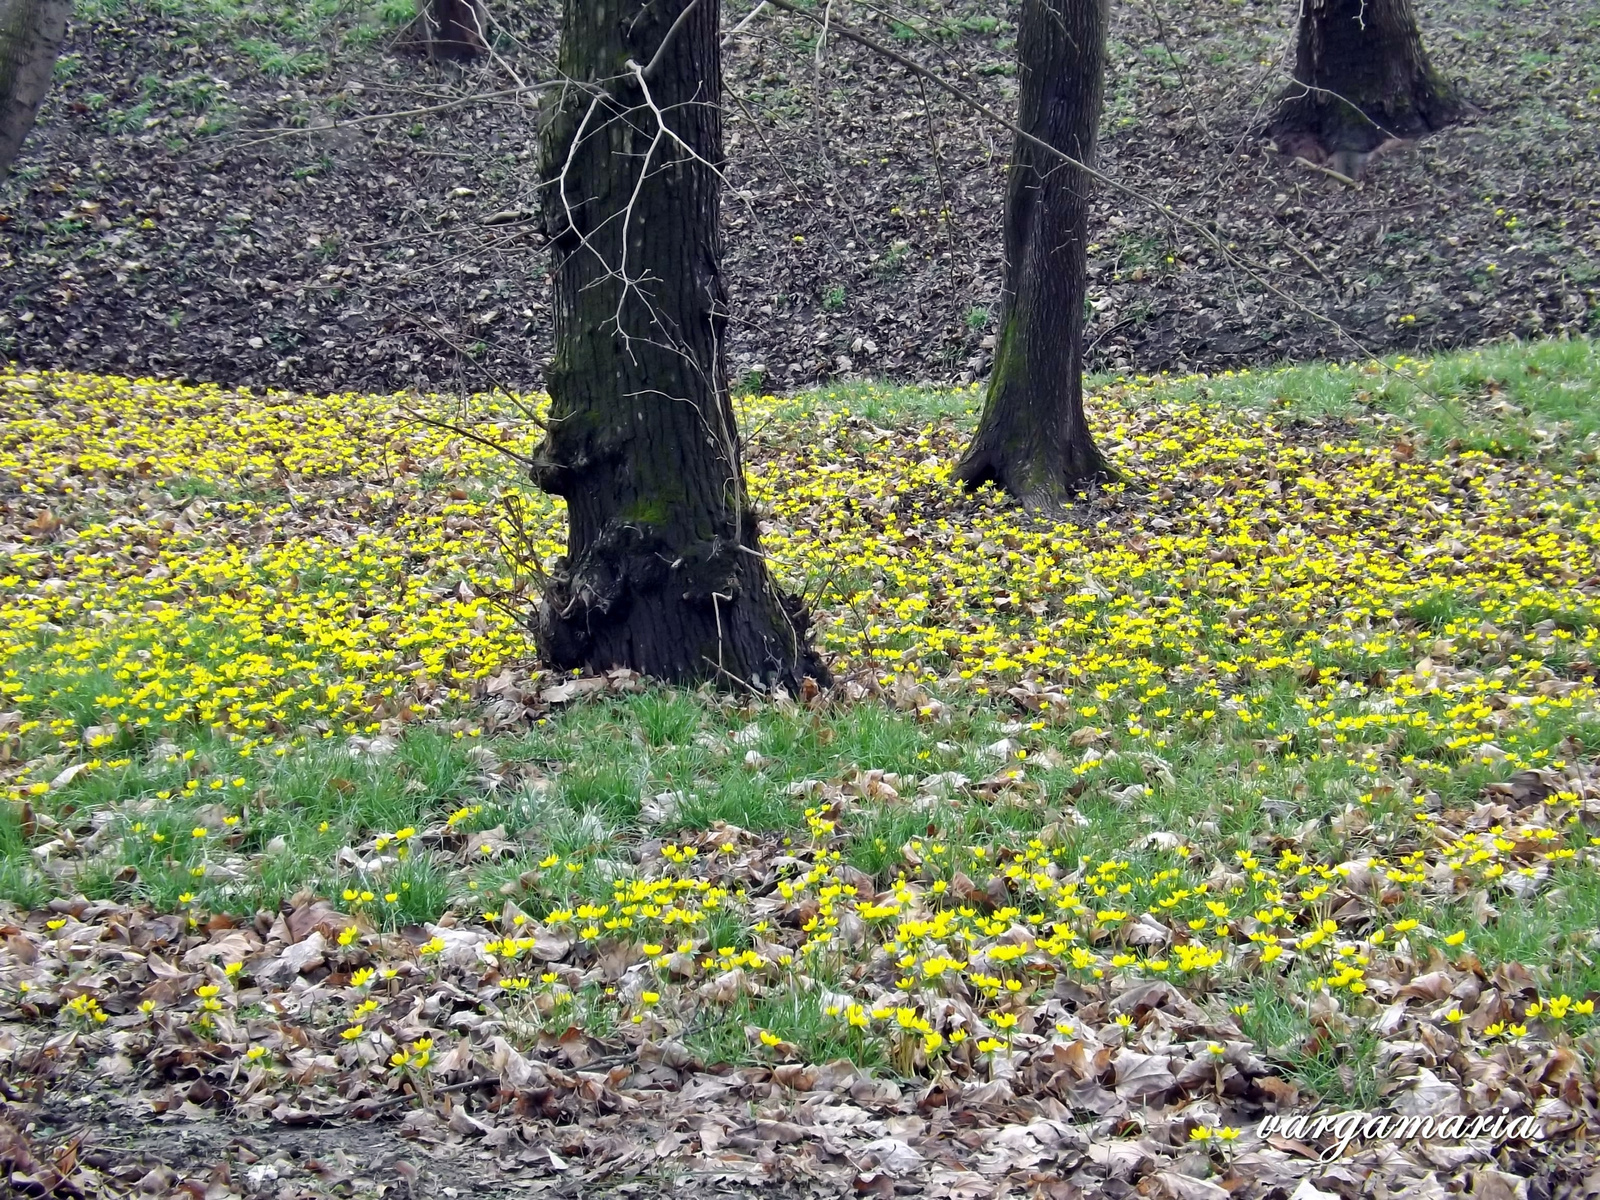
column 769, row 1039
column 352, row 1033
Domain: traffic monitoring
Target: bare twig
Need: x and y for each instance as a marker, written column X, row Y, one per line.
column 1328, row 171
column 947, row 214
column 1177, row 63
column 672, row 36
column 744, row 24
column 273, row 135
column 423, row 419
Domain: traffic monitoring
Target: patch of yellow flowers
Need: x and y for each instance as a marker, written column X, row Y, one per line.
column 281, row 566
column 273, row 567
column 890, row 960
column 1240, row 556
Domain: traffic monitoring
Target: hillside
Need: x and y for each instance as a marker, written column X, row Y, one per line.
column 188, row 206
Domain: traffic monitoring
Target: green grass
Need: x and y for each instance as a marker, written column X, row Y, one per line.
column 1509, row 399
column 720, row 1034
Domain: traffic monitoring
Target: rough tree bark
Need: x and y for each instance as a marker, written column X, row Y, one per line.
column 31, row 32
column 455, row 29
column 1362, row 78
column 1033, row 439
column 663, row 571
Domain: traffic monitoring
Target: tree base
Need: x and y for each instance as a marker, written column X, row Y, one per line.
column 448, row 30
column 1043, row 483
column 640, row 613
column 1324, row 129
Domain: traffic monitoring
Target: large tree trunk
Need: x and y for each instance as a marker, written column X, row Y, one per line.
column 663, row 571
column 31, row 32
column 1033, row 439
column 1361, row 78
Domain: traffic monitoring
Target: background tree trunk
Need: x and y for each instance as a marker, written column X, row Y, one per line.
column 1361, row 78
column 1033, row 439
column 455, row 28
column 663, row 570
column 31, row 33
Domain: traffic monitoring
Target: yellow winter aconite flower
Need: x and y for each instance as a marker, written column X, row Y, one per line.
column 86, row 1008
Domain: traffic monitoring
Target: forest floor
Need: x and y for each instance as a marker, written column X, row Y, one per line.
column 1264, row 784
column 279, row 192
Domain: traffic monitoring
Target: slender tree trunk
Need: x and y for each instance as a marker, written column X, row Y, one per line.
column 455, row 29
column 31, row 32
column 1361, row 79
column 1033, row 439
column 663, row 571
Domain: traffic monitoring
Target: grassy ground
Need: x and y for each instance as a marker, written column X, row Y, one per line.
column 1230, row 726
